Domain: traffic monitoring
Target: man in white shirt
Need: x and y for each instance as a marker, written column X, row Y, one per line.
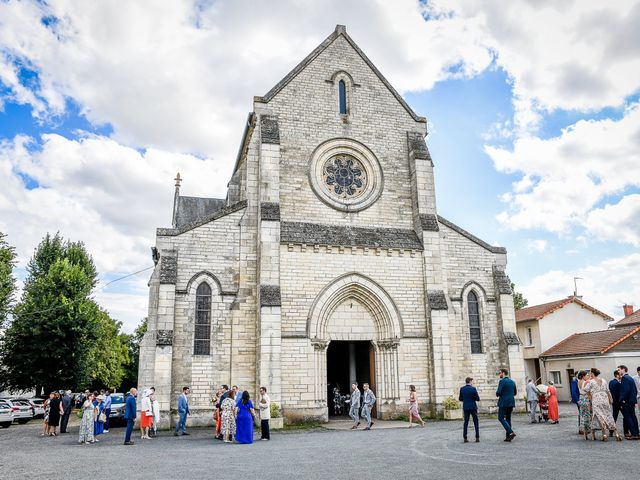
column 265, row 414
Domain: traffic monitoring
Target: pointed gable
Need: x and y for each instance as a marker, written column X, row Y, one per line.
column 340, row 31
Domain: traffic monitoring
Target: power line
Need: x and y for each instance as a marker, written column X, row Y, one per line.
column 85, row 298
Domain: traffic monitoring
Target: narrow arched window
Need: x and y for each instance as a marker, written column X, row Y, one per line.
column 342, row 95
column 202, row 335
column 474, row 323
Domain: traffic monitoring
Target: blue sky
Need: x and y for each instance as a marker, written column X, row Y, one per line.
column 534, row 138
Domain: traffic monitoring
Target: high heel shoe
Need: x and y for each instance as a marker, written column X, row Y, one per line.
column 618, row 438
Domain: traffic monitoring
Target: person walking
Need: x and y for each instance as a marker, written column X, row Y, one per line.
column 413, row 407
column 506, row 393
column 614, row 390
column 130, row 415
column 107, row 409
column 368, row 401
column 354, row 409
column 601, row 405
column 67, row 403
column 469, row 396
column 244, row 422
column 183, row 412
column 585, row 405
column 628, row 401
column 265, row 414
column 155, row 409
column 552, row 402
column 228, row 416
column 86, row 423
column 532, row 400
column 146, row 415
column 55, row 412
column 98, row 425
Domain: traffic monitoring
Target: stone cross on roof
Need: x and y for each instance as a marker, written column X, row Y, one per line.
column 178, row 180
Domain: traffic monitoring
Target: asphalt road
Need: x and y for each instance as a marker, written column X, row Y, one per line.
column 435, row 451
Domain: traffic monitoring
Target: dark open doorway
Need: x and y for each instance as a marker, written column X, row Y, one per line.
column 347, row 362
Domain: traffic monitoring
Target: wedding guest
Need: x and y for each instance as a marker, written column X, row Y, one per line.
column 601, row 404
column 469, row 396
column 244, row 422
column 414, row 413
column 228, row 416
column 506, row 394
column 552, row 402
column 265, row 414
column 86, row 424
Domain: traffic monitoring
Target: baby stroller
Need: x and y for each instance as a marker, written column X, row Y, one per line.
column 543, row 403
column 338, row 402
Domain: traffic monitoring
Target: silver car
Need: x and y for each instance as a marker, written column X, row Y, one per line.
column 38, row 406
column 6, row 414
column 22, row 410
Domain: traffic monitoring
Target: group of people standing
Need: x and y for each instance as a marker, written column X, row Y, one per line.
column 599, row 403
column 549, row 398
column 235, row 414
column 95, row 410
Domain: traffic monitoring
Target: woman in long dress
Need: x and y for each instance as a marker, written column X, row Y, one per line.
column 228, row 417
column 585, row 405
column 55, row 412
column 244, row 423
column 45, row 423
column 552, row 402
column 413, row 406
column 98, row 425
column 86, row 424
column 146, row 415
column 601, row 401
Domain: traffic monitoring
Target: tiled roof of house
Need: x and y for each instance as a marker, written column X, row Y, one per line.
column 633, row 319
column 591, row 342
column 536, row 312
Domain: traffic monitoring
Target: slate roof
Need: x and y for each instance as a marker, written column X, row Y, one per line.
column 594, row 343
column 340, row 30
column 192, row 209
column 537, row 312
column 633, row 319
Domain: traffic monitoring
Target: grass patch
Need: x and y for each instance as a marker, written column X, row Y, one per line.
column 301, row 426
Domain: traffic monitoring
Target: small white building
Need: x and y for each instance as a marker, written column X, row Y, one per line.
column 604, row 350
column 542, row 326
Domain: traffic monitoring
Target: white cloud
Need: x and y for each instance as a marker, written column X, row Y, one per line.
column 564, row 178
column 537, row 246
column 618, row 222
column 622, row 284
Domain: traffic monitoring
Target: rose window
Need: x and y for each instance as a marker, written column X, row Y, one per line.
column 345, row 176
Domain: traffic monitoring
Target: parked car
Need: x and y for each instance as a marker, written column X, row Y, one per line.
column 22, row 409
column 117, row 408
column 38, row 406
column 6, row 414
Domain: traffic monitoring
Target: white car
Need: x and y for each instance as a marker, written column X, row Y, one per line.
column 38, row 407
column 22, row 410
column 6, row 414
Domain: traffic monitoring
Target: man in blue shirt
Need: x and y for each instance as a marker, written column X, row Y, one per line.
column 628, row 400
column 469, row 396
column 107, row 409
column 130, row 414
column 506, row 394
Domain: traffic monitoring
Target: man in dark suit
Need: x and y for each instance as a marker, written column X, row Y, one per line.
column 130, row 415
column 469, row 396
column 628, row 400
column 66, row 408
column 506, row 394
column 614, row 388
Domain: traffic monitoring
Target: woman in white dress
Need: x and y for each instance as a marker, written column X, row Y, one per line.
column 601, row 401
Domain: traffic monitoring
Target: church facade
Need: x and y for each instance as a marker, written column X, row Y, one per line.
column 327, row 262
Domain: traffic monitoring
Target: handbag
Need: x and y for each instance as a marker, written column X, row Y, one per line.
column 102, row 417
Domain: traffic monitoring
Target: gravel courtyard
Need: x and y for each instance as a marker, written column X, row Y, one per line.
column 436, row 451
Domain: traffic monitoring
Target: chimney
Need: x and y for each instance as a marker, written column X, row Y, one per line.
column 628, row 309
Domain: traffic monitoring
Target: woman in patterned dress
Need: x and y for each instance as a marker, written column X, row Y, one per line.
column 585, row 405
column 601, row 401
column 228, row 413
column 413, row 406
column 86, row 424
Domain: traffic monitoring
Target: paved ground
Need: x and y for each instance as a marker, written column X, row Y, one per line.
column 435, row 452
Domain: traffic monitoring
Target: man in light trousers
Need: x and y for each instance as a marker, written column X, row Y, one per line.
column 354, row 410
column 532, row 399
column 368, row 399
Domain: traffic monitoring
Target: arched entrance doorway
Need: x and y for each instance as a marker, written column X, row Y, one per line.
column 355, row 329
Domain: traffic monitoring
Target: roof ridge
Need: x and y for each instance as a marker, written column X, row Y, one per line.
column 621, row 339
column 340, row 30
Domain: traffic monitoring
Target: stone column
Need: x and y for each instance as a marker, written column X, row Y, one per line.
column 269, row 321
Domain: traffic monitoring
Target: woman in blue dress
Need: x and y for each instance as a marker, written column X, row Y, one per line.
column 98, row 425
column 244, row 422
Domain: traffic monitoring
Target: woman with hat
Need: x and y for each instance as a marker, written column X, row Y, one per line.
column 98, row 424
column 146, row 414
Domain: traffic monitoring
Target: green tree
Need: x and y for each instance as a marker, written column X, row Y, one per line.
column 7, row 280
column 132, row 341
column 109, row 355
column 518, row 298
column 55, row 324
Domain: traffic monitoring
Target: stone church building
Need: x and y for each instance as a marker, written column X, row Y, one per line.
column 327, row 262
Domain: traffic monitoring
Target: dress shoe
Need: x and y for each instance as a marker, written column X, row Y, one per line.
column 512, row 435
column 354, row 427
column 466, row 441
column 367, row 428
column 175, row 434
column 477, row 440
column 185, row 433
column 128, row 443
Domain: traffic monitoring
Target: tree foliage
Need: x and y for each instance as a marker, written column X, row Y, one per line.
column 55, row 323
column 109, row 355
column 7, row 280
column 518, row 298
column 133, row 345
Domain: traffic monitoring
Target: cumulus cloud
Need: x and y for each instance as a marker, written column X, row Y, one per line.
column 618, row 222
column 564, row 178
column 537, row 246
column 622, row 284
